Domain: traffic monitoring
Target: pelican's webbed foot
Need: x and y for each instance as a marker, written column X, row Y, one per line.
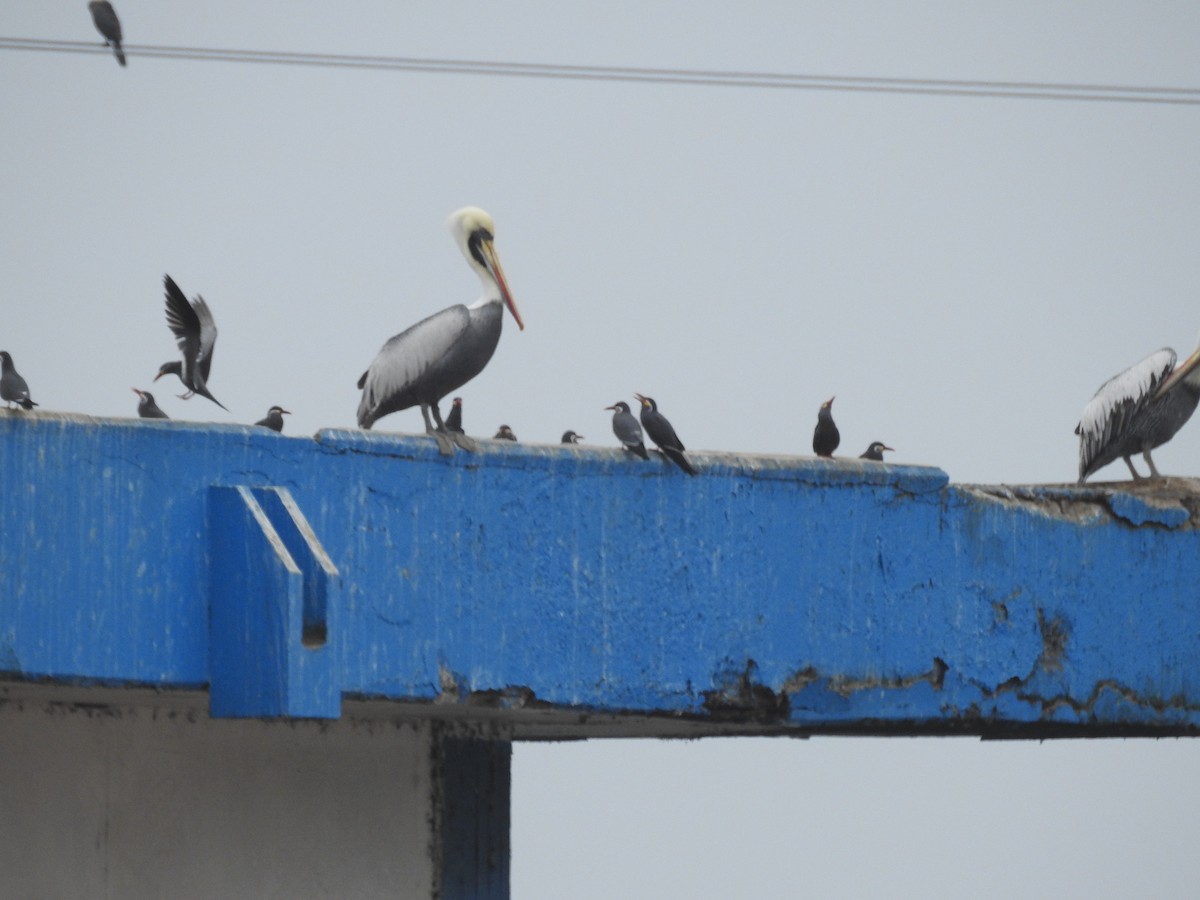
column 463, row 441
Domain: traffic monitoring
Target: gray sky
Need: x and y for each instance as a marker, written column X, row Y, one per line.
column 962, row 273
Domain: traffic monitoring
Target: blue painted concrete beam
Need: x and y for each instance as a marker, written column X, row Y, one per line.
column 769, row 594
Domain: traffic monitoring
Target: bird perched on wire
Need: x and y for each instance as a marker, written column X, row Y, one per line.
column 441, row 353
column 147, row 408
column 504, row 434
column 274, row 418
column 570, row 437
column 454, row 417
column 627, row 429
column 196, row 334
column 875, row 451
column 109, row 26
column 1138, row 410
column 825, row 436
column 663, row 435
column 13, row 388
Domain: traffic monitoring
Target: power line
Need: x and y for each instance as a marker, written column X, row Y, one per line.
column 1025, row 90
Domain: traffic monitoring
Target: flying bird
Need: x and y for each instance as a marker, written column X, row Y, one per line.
column 504, row 434
column 825, row 436
column 108, row 25
column 627, row 429
column 274, row 419
column 875, row 451
column 570, row 437
column 454, row 418
column 147, row 408
column 196, row 334
column 440, row 354
column 1138, row 410
column 662, row 434
column 13, row 388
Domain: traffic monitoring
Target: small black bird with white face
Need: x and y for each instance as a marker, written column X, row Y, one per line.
column 825, row 436
column 105, row 19
column 504, row 434
column 875, row 451
column 147, row 408
column 454, row 418
column 570, row 437
column 274, row 419
column 663, row 434
column 627, row 429
column 13, row 388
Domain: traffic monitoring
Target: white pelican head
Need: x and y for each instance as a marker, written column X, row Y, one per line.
column 474, row 231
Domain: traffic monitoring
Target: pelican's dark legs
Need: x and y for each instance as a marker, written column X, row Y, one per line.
column 1154, row 473
column 438, row 431
column 1132, row 470
column 443, row 433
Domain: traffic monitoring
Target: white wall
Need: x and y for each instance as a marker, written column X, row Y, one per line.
column 149, row 802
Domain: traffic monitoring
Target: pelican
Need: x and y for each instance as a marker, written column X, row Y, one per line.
column 1138, row 410
column 440, row 354
column 196, row 334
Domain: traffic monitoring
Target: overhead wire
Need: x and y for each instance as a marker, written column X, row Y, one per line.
column 1026, row 90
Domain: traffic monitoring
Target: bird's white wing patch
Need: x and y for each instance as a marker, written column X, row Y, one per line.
column 208, row 326
column 1119, row 398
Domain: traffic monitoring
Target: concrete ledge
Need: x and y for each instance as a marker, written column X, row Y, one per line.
column 562, row 591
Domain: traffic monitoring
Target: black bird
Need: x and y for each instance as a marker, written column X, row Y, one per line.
column 627, row 429
column 570, row 437
column 196, row 334
column 825, row 436
column 1138, row 410
column 147, row 408
column 274, row 419
column 13, row 388
column 504, row 434
column 108, row 25
column 662, row 434
column 454, row 418
column 441, row 353
column 875, row 451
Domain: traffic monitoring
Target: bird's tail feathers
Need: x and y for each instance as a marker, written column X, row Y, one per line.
column 679, row 459
column 119, row 53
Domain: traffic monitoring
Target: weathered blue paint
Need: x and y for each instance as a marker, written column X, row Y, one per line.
column 269, row 586
column 767, row 594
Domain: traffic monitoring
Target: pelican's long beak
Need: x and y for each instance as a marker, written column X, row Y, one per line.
column 1181, row 372
column 493, row 265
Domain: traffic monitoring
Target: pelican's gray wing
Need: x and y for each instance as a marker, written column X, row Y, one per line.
column 1119, row 400
column 396, row 373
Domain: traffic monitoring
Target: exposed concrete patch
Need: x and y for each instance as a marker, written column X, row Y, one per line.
column 740, row 696
column 1166, row 502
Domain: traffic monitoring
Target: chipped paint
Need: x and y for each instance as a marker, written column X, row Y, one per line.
column 568, row 589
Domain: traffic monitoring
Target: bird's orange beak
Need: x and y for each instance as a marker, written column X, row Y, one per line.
column 493, row 264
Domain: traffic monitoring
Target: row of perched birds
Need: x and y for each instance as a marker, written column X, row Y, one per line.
column 1135, row 411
